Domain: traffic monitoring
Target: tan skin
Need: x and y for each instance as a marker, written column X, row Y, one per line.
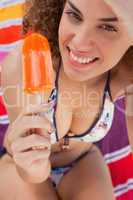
column 76, row 149
column 92, row 170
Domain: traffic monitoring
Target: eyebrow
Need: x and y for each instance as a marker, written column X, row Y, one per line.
column 74, row 7
column 110, row 19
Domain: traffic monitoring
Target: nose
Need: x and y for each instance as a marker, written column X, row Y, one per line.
column 84, row 40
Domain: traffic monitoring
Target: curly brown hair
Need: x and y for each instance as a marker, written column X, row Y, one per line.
column 44, row 16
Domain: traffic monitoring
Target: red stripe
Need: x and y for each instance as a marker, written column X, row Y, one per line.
column 121, row 170
column 10, row 34
column 2, row 107
column 127, row 196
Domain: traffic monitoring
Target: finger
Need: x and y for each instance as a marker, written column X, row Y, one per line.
column 36, row 109
column 26, row 143
column 34, row 122
column 31, row 131
column 33, row 110
column 28, row 158
column 42, row 132
column 38, row 131
column 21, row 127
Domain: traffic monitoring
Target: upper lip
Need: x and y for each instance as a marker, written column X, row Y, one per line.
column 82, row 54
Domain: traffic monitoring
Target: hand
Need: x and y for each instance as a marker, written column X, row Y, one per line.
column 29, row 141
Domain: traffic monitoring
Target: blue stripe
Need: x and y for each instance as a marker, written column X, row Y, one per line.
column 11, row 22
column 6, row 3
column 117, row 155
column 124, row 188
column 9, row 47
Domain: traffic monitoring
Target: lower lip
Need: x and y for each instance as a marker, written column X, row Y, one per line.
column 79, row 66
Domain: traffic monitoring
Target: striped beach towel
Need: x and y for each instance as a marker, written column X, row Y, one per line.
column 11, row 12
column 117, row 154
column 115, row 146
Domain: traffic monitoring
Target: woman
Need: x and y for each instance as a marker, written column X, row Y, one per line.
column 93, row 44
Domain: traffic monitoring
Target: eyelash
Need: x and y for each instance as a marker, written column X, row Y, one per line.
column 108, row 27
column 77, row 18
column 73, row 15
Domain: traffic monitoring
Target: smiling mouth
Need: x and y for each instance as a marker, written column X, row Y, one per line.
column 81, row 60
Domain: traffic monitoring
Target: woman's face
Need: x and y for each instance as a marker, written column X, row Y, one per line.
column 91, row 39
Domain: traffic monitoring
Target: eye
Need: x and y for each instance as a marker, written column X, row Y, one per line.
column 73, row 15
column 108, row 27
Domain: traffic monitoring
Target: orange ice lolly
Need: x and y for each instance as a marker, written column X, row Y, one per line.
column 37, row 65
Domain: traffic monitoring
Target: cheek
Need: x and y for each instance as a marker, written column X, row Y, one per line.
column 63, row 31
column 114, row 54
column 114, row 48
column 119, row 50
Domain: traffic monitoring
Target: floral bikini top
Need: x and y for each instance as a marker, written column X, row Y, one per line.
column 100, row 126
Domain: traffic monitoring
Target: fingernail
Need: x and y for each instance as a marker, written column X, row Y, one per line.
column 52, row 129
column 52, row 103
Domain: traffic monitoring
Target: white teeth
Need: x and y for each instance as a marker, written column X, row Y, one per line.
column 89, row 60
column 81, row 60
column 84, row 60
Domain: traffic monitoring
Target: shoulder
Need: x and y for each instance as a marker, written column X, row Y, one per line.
column 120, row 79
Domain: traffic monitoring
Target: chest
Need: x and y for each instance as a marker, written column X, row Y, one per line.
column 79, row 107
column 76, row 115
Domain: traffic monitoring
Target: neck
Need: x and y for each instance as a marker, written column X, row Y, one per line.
column 121, row 70
column 91, row 83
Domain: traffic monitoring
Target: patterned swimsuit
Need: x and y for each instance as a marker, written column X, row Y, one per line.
column 95, row 133
column 114, row 146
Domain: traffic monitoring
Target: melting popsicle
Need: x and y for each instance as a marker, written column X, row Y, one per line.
column 38, row 74
column 37, row 65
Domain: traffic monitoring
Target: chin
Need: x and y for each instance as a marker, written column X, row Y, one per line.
column 79, row 74
column 75, row 76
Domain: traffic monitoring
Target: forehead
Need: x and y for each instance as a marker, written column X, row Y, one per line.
column 96, row 8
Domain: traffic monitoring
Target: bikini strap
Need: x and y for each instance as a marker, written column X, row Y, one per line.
column 57, row 74
column 55, row 108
